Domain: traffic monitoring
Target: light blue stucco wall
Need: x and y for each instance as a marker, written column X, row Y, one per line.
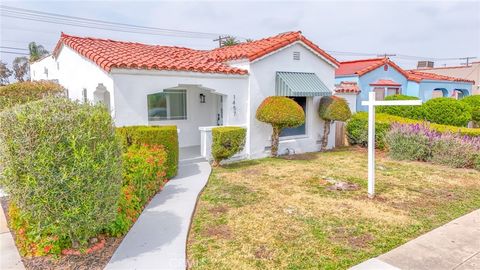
column 375, row 75
column 426, row 88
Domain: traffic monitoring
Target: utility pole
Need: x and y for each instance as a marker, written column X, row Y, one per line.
column 385, row 55
column 220, row 40
column 467, row 60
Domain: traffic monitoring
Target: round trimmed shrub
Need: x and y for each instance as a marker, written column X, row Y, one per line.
column 23, row 92
column 447, row 111
column 473, row 101
column 62, row 167
column 226, row 142
column 280, row 112
column 332, row 108
column 412, row 112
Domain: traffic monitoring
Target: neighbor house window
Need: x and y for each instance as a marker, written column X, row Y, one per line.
column 167, row 105
column 300, row 130
column 393, row 91
column 379, row 93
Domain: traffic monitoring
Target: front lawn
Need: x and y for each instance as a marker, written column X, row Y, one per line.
column 280, row 214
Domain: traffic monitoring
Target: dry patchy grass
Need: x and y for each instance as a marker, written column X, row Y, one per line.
column 279, row 214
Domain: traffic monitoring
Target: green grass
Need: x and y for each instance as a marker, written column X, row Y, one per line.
column 278, row 214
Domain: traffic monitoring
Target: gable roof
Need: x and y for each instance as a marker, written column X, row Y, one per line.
column 109, row 54
column 385, row 82
column 256, row 49
column 418, row 76
column 363, row 66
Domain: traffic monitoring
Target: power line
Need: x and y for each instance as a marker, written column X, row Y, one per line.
column 13, row 48
column 17, row 53
column 26, row 14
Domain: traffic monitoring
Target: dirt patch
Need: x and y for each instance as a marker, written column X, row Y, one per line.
column 220, row 231
column 251, row 172
column 218, row 210
column 341, row 235
column 263, row 253
column 305, row 156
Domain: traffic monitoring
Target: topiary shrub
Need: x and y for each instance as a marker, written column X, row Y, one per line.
column 154, row 135
column 447, row 111
column 280, row 112
column 62, row 167
column 226, row 142
column 331, row 109
column 23, row 92
column 412, row 112
column 144, row 174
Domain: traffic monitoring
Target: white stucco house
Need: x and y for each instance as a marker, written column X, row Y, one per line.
column 198, row 89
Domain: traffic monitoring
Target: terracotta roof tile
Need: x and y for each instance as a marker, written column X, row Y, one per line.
column 419, row 76
column 347, row 87
column 361, row 67
column 110, row 54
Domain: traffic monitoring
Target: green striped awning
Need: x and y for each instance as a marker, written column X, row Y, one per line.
column 300, row 84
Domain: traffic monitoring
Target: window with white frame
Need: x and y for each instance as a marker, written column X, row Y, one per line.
column 167, row 105
column 300, row 130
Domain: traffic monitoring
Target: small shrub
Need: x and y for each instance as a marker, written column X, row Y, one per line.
column 144, row 174
column 473, row 101
column 61, row 166
column 409, row 142
column 455, row 151
column 226, row 142
column 154, row 135
column 447, row 111
column 23, row 92
column 412, row 112
column 280, row 112
column 332, row 108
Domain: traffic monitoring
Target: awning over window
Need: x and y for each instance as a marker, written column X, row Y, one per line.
column 300, row 84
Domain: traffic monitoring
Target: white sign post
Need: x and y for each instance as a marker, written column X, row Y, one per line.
column 371, row 103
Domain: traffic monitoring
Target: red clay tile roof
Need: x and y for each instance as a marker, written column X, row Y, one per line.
column 347, row 87
column 385, row 82
column 110, row 54
column 363, row 66
column 418, row 76
column 258, row 48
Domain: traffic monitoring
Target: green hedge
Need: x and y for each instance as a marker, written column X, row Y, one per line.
column 357, row 128
column 23, row 92
column 447, row 111
column 412, row 112
column 61, row 165
column 154, row 135
column 144, row 174
column 226, row 142
column 473, row 101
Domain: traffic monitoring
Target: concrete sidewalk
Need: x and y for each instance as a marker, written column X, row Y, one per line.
column 158, row 239
column 9, row 256
column 455, row 245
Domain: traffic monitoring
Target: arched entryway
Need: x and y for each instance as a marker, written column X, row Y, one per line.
column 439, row 92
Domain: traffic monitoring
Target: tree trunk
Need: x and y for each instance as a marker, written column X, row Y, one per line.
column 275, row 139
column 326, row 132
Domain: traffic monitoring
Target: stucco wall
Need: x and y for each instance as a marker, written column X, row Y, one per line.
column 426, row 88
column 133, row 86
column 262, row 85
column 44, row 69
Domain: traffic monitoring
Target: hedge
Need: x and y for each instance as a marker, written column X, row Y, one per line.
column 23, row 92
column 357, row 128
column 447, row 111
column 412, row 112
column 226, row 142
column 154, row 135
column 62, row 167
column 144, row 174
column 473, row 101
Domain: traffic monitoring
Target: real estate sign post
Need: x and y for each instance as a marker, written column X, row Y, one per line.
column 371, row 103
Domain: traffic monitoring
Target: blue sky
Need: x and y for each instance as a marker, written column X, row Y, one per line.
column 438, row 29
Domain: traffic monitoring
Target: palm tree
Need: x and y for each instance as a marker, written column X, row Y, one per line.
column 37, row 51
column 230, row 41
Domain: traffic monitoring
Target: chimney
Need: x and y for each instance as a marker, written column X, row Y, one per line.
column 424, row 64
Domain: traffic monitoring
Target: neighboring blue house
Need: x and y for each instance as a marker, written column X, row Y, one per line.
column 356, row 78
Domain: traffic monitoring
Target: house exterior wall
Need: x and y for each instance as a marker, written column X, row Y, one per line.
column 426, row 88
column 133, row 86
column 44, row 69
column 262, row 85
column 471, row 72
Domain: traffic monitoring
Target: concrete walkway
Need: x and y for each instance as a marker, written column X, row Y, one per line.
column 158, row 239
column 455, row 245
column 9, row 256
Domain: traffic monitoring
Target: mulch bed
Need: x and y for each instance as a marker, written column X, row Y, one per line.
column 95, row 260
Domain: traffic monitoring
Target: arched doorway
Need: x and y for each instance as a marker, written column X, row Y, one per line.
column 439, row 92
